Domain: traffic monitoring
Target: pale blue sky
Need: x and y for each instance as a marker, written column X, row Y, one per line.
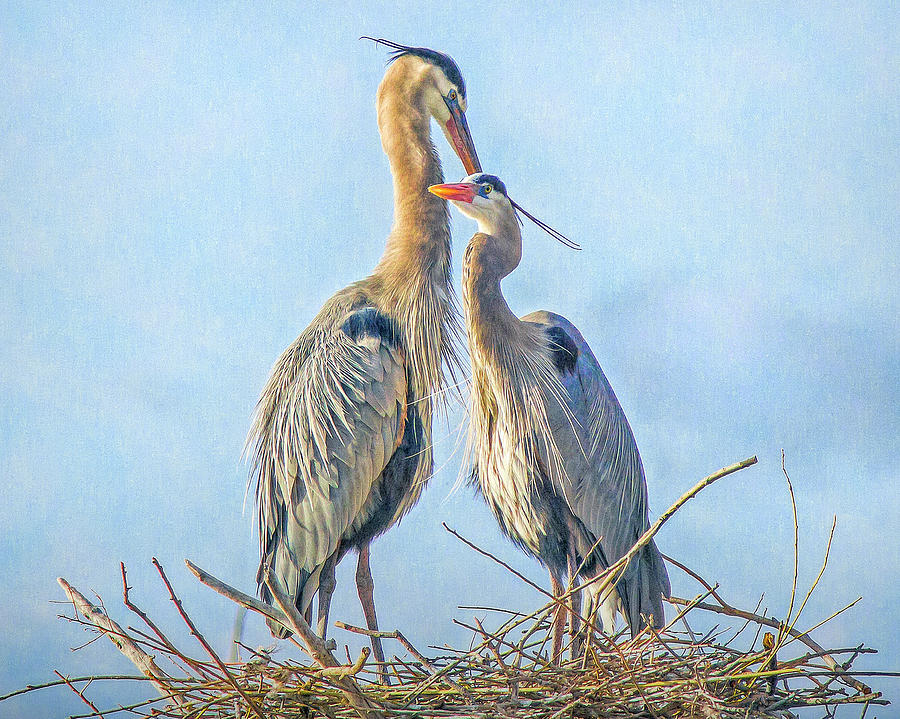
column 184, row 185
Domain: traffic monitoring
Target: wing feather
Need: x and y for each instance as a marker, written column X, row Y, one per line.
column 604, row 483
column 325, row 428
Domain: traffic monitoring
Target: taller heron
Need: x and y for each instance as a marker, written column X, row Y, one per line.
column 554, row 456
column 341, row 437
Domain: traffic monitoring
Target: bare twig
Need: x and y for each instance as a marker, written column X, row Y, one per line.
column 237, row 596
column 143, row 661
column 406, row 645
column 73, row 680
column 499, row 561
column 612, row 574
column 352, row 669
column 788, row 620
column 765, row 621
column 319, row 652
column 126, row 600
column 80, row 693
column 209, row 650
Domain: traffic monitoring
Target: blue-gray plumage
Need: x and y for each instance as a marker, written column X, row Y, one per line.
column 604, row 482
column 341, row 438
column 553, row 454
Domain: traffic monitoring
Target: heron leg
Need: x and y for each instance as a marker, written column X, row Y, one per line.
column 366, row 589
column 559, row 620
column 574, row 607
column 326, row 589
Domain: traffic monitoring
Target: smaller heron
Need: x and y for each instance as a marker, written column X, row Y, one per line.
column 553, row 454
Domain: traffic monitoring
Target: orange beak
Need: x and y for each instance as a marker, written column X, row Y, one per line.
column 458, row 129
column 458, row 191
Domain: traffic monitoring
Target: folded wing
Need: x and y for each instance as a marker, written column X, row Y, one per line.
column 332, row 414
column 604, row 482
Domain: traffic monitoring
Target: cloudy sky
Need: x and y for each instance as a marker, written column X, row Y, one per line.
column 183, row 186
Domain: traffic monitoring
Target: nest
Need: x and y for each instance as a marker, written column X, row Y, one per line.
column 752, row 666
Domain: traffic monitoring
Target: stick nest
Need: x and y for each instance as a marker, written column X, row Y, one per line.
column 507, row 673
column 752, row 666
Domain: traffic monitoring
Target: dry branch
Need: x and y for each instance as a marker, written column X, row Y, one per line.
column 237, row 596
column 406, row 645
column 291, row 619
column 141, row 659
column 80, row 694
column 615, row 571
column 319, row 651
column 209, row 650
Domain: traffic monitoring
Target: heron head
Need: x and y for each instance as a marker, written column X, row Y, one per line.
column 445, row 97
column 484, row 198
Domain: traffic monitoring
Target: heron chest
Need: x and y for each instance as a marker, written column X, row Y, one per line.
column 511, row 483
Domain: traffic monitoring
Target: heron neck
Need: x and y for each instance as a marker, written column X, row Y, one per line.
column 490, row 323
column 419, row 240
column 413, row 278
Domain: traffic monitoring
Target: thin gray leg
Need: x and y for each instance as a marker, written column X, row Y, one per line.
column 366, row 589
column 574, row 609
column 326, row 589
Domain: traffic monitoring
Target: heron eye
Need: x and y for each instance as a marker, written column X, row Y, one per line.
column 487, row 189
column 452, row 94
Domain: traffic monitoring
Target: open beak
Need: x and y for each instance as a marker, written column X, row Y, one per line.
column 458, row 129
column 459, row 191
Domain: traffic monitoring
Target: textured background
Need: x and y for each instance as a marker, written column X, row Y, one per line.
column 182, row 187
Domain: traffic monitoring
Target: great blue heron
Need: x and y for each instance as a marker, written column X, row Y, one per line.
column 341, row 437
column 553, row 454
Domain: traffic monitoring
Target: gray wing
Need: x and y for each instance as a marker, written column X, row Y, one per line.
column 604, row 484
column 328, row 421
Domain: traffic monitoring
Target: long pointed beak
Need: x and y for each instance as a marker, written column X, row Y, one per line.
column 458, row 129
column 459, row 191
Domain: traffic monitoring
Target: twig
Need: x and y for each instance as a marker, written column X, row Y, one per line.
column 815, row 583
column 143, row 661
column 237, row 596
column 782, row 630
column 126, row 600
column 499, row 561
column 75, row 680
column 318, row 651
column 730, row 611
column 79, row 693
column 209, row 650
column 350, row 670
column 559, row 601
column 612, row 574
column 409, row 647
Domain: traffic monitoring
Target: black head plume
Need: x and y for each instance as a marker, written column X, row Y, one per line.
column 445, row 62
column 555, row 234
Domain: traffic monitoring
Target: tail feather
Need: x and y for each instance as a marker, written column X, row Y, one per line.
column 298, row 584
column 645, row 588
column 278, row 631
